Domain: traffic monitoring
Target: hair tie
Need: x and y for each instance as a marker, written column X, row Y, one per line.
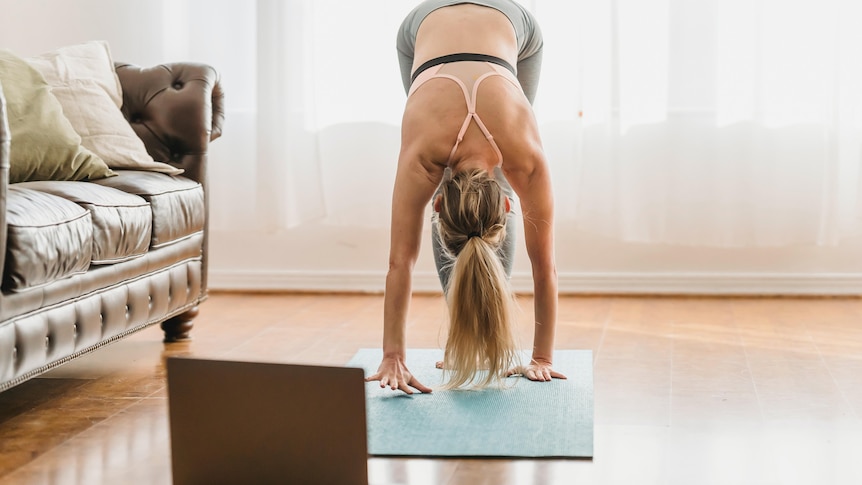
column 474, row 234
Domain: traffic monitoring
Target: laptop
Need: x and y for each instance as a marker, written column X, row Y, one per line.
column 257, row 422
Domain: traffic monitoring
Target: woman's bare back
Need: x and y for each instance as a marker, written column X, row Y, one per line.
column 437, row 111
column 466, row 28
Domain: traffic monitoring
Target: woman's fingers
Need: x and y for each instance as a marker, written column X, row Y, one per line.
column 516, row 371
column 405, row 388
column 397, row 378
column 418, row 385
column 539, row 373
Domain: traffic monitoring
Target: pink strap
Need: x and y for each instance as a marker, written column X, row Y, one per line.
column 472, row 115
column 471, row 105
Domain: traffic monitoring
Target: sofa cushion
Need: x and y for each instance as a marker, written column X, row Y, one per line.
column 44, row 144
column 48, row 238
column 83, row 80
column 177, row 203
column 121, row 222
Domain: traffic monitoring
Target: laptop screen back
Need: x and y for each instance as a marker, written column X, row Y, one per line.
column 253, row 422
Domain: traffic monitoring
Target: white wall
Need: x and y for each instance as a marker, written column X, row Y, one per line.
column 132, row 27
column 322, row 255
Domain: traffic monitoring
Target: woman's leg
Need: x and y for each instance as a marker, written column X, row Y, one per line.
column 530, row 44
column 441, row 259
column 529, row 70
column 405, row 62
column 405, row 42
column 507, row 249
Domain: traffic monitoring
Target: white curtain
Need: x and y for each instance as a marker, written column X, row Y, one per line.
column 691, row 122
column 709, row 123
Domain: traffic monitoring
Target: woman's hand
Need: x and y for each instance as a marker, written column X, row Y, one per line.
column 393, row 373
column 537, row 370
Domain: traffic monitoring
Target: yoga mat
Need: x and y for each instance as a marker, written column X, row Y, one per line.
column 524, row 419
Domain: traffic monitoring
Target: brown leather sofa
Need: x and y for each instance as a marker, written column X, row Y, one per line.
column 87, row 263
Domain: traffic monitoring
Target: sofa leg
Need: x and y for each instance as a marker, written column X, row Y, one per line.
column 177, row 328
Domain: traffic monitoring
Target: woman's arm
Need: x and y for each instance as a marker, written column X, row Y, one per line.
column 415, row 183
column 526, row 169
column 534, row 189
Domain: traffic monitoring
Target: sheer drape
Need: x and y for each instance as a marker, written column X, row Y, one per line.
column 709, row 122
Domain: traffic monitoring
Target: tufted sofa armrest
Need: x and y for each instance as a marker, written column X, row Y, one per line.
column 5, row 141
column 176, row 109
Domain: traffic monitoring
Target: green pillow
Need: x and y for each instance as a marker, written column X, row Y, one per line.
column 44, row 144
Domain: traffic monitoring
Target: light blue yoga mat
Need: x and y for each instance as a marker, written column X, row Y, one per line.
column 525, row 419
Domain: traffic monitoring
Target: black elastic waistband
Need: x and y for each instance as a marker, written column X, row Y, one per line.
column 461, row 57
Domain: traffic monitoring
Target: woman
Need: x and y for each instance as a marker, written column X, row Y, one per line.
column 484, row 56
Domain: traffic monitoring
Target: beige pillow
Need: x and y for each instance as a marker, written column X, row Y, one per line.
column 83, row 79
column 44, row 144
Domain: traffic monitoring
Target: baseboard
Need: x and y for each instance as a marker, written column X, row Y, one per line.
column 814, row 284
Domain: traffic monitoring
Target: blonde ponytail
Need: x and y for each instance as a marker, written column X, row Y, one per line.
column 481, row 347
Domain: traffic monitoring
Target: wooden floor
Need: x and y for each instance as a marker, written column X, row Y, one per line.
column 687, row 391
